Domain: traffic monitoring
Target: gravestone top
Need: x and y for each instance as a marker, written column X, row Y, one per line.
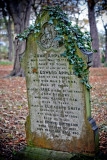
column 59, row 104
column 47, row 37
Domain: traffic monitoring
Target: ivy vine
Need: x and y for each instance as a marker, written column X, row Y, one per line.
column 70, row 36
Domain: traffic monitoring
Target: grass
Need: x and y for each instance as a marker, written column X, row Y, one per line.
column 6, row 63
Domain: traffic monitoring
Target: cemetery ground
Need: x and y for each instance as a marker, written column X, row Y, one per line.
column 14, row 110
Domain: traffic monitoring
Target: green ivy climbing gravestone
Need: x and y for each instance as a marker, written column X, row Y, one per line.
column 59, row 124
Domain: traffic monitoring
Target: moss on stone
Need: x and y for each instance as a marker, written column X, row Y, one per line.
column 31, row 153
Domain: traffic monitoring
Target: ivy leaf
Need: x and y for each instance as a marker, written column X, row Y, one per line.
column 82, row 81
column 57, row 38
column 51, row 13
column 76, row 73
column 71, row 61
column 52, row 18
column 58, row 17
column 69, row 58
column 95, row 51
column 36, row 31
column 69, row 40
column 88, row 86
column 69, row 23
column 60, row 31
column 74, row 38
column 31, row 27
column 57, row 28
column 50, row 21
column 70, row 47
column 79, row 45
column 61, row 36
column 63, row 54
column 20, row 39
column 18, row 35
column 38, row 25
column 71, row 52
column 66, row 19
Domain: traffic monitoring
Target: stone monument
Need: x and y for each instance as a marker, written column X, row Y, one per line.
column 59, row 121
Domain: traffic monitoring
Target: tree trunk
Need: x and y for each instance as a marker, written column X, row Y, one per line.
column 94, row 33
column 20, row 13
column 105, row 27
column 10, row 40
column 8, row 27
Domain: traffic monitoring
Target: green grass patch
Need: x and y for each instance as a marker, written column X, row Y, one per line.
column 6, row 63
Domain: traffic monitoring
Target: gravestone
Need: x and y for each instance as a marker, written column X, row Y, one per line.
column 59, row 104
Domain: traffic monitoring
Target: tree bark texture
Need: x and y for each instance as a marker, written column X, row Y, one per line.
column 94, row 33
column 20, row 13
column 10, row 40
column 105, row 27
column 8, row 27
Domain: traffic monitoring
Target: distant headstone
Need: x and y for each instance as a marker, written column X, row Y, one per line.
column 59, row 104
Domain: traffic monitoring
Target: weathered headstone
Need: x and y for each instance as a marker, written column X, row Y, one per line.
column 59, row 104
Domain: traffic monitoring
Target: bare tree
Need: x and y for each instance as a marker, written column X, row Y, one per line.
column 7, row 21
column 105, row 42
column 101, row 9
column 20, row 13
column 94, row 33
column 10, row 39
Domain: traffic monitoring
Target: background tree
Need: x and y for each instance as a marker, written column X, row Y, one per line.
column 7, row 21
column 94, row 33
column 102, row 43
column 3, row 39
column 101, row 10
column 20, row 13
column 69, row 6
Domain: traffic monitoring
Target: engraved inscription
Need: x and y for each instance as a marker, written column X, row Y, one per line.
column 55, row 96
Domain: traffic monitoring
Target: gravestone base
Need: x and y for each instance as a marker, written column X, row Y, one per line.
column 34, row 153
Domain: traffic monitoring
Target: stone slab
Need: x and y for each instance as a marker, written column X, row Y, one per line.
column 34, row 153
column 59, row 105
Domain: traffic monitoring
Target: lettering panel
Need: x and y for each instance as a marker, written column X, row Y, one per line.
column 57, row 99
